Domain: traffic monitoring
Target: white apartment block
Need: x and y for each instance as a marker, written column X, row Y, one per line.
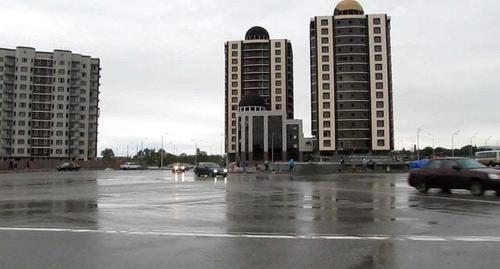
column 351, row 81
column 257, row 64
column 49, row 104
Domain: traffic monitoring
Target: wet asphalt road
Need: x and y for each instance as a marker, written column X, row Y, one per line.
column 150, row 219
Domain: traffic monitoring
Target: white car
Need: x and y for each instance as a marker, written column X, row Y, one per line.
column 130, row 166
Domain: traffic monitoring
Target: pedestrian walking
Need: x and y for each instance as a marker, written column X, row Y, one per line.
column 365, row 164
column 291, row 165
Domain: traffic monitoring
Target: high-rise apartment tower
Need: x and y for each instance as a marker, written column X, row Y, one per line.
column 351, row 81
column 49, row 104
column 257, row 64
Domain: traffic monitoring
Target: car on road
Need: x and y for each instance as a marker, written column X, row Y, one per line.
column 210, row 170
column 130, row 166
column 455, row 173
column 68, row 166
column 489, row 158
column 178, row 168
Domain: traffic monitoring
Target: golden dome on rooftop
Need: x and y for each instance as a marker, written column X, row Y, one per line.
column 349, row 7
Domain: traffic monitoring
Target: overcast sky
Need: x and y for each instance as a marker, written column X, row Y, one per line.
column 163, row 62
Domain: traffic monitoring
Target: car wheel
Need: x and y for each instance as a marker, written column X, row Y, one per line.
column 491, row 164
column 446, row 190
column 422, row 187
column 476, row 188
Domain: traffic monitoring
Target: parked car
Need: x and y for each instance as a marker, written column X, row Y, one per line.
column 68, row 166
column 130, row 166
column 455, row 173
column 178, row 168
column 489, row 158
column 210, row 169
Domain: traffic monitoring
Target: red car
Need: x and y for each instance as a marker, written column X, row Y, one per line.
column 455, row 173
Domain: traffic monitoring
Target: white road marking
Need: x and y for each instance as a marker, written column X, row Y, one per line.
column 333, row 237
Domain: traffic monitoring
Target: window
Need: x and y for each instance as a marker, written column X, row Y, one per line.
column 325, row 49
column 234, row 61
column 326, row 96
column 20, row 141
column 326, row 115
column 234, row 84
column 278, row 107
column 234, row 69
column 379, row 85
column 326, row 86
column 278, row 90
column 380, row 143
column 380, row 133
column 59, row 133
column 278, row 98
column 378, row 57
column 378, row 67
column 24, row 69
column 23, row 96
column 324, row 40
column 380, row 123
column 326, row 124
column 278, row 83
column 278, row 60
column 326, row 105
column 234, row 76
column 377, row 30
column 234, row 100
column 380, row 95
column 234, row 54
column 20, row 151
column 380, row 114
column 277, row 75
column 278, row 68
column 325, row 58
column 325, row 67
column 326, row 76
column 324, row 31
column 327, row 143
column 378, row 48
column 234, row 46
column 324, row 22
column 277, row 52
column 277, row 44
column 24, row 78
column 59, row 124
column 378, row 39
column 380, row 104
column 378, row 76
column 376, row 21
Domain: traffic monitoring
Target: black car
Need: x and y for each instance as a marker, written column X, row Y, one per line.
column 69, row 166
column 455, row 173
column 210, row 169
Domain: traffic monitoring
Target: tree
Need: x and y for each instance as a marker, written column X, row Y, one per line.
column 107, row 154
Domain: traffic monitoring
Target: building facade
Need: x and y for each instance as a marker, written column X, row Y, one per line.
column 267, row 135
column 261, row 65
column 49, row 104
column 351, row 81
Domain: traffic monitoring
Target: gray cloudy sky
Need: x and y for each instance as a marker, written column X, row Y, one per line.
column 163, row 62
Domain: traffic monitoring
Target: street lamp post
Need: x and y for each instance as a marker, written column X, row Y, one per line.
column 486, row 141
column 433, row 146
column 418, row 143
column 472, row 145
column 162, row 151
column 453, row 143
